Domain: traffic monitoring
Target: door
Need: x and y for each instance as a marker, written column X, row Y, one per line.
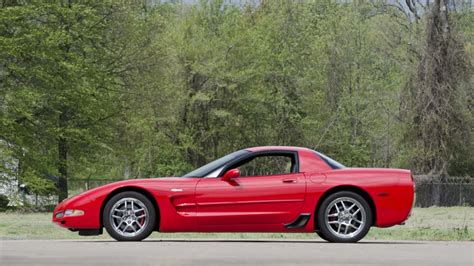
column 269, row 190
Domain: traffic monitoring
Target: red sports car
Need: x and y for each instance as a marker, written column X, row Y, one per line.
column 260, row 189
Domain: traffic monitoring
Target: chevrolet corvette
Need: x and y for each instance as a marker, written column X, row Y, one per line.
column 259, row 189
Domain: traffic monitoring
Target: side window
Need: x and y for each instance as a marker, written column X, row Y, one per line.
column 268, row 165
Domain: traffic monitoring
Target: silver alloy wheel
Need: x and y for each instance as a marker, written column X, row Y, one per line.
column 345, row 217
column 129, row 217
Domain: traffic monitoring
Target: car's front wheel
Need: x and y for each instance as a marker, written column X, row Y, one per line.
column 344, row 216
column 129, row 216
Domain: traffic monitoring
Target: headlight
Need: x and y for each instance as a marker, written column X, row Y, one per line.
column 69, row 213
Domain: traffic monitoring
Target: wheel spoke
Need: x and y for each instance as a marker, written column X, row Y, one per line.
column 125, row 228
column 120, row 223
column 345, row 217
column 127, row 212
column 343, row 205
column 353, row 226
column 139, row 225
column 137, row 210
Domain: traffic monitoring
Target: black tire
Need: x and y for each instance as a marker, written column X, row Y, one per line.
column 141, row 202
column 339, row 204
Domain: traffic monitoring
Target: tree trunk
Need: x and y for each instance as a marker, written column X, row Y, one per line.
column 62, row 123
column 62, row 160
column 438, row 127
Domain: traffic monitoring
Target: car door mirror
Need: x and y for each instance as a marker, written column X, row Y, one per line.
column 232, row 173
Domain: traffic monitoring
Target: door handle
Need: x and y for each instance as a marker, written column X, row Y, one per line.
column 289, row 180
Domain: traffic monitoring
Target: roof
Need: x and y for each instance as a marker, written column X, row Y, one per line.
column 271, row 148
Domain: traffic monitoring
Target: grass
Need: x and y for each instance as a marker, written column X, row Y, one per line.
column 436, row 223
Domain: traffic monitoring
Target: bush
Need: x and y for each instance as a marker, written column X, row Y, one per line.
column 3, row 202
column 46, row 208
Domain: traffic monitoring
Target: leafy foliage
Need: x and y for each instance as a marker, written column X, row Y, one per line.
column 139, row 88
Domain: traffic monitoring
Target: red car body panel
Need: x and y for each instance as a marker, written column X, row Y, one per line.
column 251, row 204
column 258, row 201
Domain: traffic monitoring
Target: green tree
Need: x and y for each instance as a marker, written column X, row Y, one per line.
column 57, row 91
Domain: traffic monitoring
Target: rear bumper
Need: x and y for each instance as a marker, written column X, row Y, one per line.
column 396, row 208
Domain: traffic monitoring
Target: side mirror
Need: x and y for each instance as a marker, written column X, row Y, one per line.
column 232, row 173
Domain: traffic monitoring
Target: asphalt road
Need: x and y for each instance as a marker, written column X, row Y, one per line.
column 233, row 252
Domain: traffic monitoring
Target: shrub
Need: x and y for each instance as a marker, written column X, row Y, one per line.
column 3, row 202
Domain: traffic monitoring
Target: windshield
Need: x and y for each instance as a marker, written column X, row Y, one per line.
column 331, row 162
column 212, row 166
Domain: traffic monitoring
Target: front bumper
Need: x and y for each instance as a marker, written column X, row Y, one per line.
column 77, row 213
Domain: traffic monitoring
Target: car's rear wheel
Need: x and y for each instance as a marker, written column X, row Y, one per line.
column 129, row 216
column 344, row 216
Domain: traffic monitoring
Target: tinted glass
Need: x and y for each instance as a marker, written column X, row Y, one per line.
column 208, row 168
column 267, row 165
column 331, row 162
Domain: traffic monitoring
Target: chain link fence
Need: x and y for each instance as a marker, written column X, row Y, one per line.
column 453, row 191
